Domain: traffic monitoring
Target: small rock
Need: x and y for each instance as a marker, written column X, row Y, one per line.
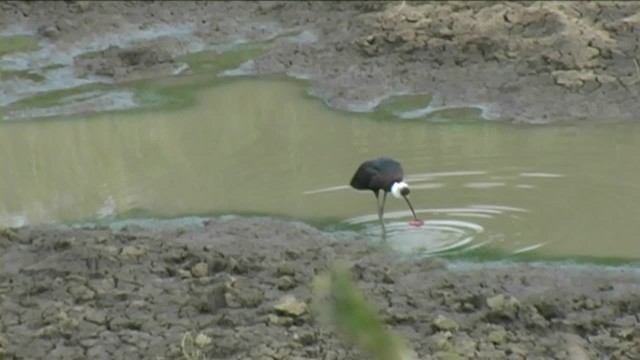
column 217, row 263
column 200, row 269
column 532, row 318
column 83, row 6
column 285, row 282
column 440, row 341
column 231, row 300
column 305, row 338
column 202, row 340
column 465, row 345
column 626, row 333
column 132, row 251
column 443, row 323
column 412, row 17
column 278, row 320
column 48, row 331
column 387, row 277
column 591, row 304
column 604, row 341
column 9, row 233
column 64, row 244
column 486, row 347
column 184, row 273
column 490, row 354
column 81, row 293
column 292, row 254
column 289, row 305
column 251, row 297
column 549, row 310
column 605, row 287
column 497, row 336
column 504, row 306
column 236, row 267
column 48, row 31
column 573, row 78
column 285, row 269
column 95, row 316
column 517, row 350
column 399, row 316
column 262, row 352
column 447, row 355
column 576, row 352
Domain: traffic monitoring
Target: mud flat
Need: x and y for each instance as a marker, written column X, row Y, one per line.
column 524, row 62
column 133, row 293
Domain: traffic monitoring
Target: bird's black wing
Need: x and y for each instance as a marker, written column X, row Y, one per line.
column 363, row 177
column 377, row 174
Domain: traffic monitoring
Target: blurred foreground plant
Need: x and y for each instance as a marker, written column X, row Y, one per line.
column 340, row 302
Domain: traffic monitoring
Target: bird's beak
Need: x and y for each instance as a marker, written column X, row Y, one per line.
column 410, row 206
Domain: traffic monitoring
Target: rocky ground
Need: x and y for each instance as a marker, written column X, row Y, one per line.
column 241, row 287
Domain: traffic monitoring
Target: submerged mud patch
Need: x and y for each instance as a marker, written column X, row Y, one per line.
column 244, row 286
column 533, row 62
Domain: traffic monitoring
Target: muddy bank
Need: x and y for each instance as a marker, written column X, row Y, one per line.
column 518, row 61
column 243, row 285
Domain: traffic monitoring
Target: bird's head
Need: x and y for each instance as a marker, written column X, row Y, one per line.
column 400, row 189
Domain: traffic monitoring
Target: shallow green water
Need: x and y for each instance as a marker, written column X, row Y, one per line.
column 263, row 146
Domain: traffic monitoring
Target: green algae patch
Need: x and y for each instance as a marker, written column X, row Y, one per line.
column 17, row 43
column 21, row 75
column 54, row 97
column 458, row 115
column 215, row 61
column 403, row 103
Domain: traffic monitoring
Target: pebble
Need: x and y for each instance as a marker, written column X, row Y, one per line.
column 444, row 323
column 132, row 251
column 202, row 340
column 285, row 269
column 285, row 282
column 504, row 305
column 497, row 336
column 289, row 305
column 200, row 269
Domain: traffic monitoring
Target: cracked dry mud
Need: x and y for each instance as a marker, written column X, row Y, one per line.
column 531, row 62
column 243, row 285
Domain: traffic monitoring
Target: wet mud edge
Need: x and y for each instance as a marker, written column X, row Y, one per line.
column 523, row 62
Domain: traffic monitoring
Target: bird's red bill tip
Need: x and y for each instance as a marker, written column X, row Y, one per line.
column 416, row 222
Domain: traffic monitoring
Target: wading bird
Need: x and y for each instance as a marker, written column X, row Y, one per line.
column 383, row 174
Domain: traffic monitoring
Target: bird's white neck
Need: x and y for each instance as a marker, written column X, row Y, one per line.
column 396, row 189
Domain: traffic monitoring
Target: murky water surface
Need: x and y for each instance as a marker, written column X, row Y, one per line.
column 263, row 146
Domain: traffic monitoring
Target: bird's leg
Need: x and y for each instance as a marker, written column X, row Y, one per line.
column 381, row 210
column 377, row 194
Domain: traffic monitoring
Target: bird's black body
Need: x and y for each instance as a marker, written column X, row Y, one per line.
column 380, row 174
column 377, row 174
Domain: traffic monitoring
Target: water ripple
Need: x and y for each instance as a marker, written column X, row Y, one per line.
column 462, row 227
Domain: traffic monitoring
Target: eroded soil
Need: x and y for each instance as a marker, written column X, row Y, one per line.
column 531, row 62
column 133, row 294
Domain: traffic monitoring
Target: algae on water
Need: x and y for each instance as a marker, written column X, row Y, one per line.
column 17, row 43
